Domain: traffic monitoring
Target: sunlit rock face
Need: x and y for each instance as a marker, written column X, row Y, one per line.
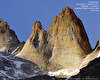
column 59, row 47
column 8, row 38
column 35, row 48
column 62, row 51
column 64, row 35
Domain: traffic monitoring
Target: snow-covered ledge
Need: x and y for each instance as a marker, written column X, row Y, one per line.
column 98, row 54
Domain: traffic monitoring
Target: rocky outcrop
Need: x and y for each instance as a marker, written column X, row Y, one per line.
column 18, row 48
column 8, row 38
column 93, row 55
column 59, row 47
column 62, row 51
column 35, row 48
column 67, row 50
column 16, row 68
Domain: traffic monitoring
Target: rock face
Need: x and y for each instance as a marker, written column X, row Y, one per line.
column 95, row 54
column 18, row 48
column 59, row 47
column 92, row 70
column 17, row 68
column 8, row 38
column 67, row 51
column 35, row 48
column 62, row 51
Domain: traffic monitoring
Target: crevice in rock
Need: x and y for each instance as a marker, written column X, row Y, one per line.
column 36, row 41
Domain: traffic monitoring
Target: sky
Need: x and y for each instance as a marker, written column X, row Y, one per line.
column 22, row 14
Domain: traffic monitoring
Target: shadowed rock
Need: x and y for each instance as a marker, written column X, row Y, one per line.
column 90, row 72
column 16, row 68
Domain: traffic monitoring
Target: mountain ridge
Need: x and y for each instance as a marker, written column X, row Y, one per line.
column 57, row 52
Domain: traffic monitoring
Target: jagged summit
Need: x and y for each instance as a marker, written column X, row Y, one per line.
column 59, row 47
column 8, row 38
column 66, row 20
column 61, row 51
column 37, row 26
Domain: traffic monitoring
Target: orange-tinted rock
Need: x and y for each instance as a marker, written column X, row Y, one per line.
column 67, row 52
column 59, row 47
column 35, row 47
column 8, row 38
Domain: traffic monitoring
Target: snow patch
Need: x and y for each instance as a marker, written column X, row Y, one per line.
column 18, row 63
column 3, row 49
column 4, row 79
column 7, row 68
column 67, row 78
column 3, row 72
column 98, row 54
column 18, row 54
column 17, row 73
column 63, row 71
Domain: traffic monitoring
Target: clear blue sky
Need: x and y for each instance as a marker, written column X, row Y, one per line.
column 22, row 14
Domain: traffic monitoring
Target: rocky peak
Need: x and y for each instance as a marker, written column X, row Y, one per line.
column 35, row 46
column 8, row 37
column 62, row 47
column 36, row 29
column 98, row 44
column 67, row 23
column 0, row 20
column 62, row 51
column 5, row 29
column 4, row 25
column 37, row 35
column 37, row 26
